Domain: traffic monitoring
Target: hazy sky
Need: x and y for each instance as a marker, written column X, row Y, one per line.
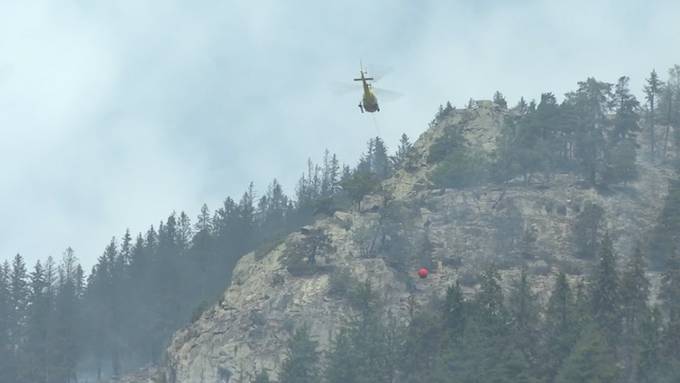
column 112, row 116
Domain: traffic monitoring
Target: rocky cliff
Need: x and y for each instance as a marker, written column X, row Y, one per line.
column 383, row 240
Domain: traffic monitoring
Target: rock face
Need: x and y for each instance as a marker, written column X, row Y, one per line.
column 383, row 243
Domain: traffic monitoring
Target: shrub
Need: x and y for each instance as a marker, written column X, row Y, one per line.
column 450, row 142
column 469, row 278
column 300, row 253
column 340, row 283
column 277, row 280
column 461, row 168
column 586, row 230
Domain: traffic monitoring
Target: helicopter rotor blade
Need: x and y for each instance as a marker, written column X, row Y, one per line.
column 343, row 88
column 378, row 72
column 386, row 95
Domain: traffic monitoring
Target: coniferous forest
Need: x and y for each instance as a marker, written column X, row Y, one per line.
column 62, row 324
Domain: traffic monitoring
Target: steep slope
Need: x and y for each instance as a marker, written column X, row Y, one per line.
column 455, row 232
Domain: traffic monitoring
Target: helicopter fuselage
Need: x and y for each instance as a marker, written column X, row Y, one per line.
column 369, row 102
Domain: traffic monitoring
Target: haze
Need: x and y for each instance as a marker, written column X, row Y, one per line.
column 112, row 116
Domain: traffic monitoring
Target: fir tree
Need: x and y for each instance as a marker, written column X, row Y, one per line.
column 591, row 102
column 522, row 107
column 18, row 301
column 489, row 302
column 454, row 310
column 524, row 315
column 126, row 249
column 203, row 223
column 342, row 359
column 669, row 105
column 380, row 163
column 670, row 294
column 635, row 290
column 634, row 294
column 38, row 323
column 7, row 367
column 404, row 151
column 560, row 331
column 665, row 235
column 650, row 346
column 499, row 100
column 591, row 361
column 301, row 364
column 652, row 90
column 605, row 294
column 626, row 108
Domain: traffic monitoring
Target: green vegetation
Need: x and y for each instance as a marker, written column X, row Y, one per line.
column 144, row 288
column 300, row 256
column 587, row 230
column 301, row 364
column 601, row 331
column 55, row 319
column 664, row 239
column 591, row 133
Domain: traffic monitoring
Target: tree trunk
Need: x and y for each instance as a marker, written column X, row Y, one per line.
column 665, row 141
column 652, row 143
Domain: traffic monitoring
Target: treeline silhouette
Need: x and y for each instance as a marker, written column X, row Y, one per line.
column 58, row 322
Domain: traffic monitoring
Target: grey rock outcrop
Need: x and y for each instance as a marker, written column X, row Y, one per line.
column 466, row 229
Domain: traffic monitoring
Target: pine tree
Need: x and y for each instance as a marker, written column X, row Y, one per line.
column 184, row 232
column 499, row 100
column 591, row 361
column 621, row 163
column 522, row 107
column 126, row 249
column 424, row 340
column 66, row 349
column 650, row 346
column 591, row 102
column 380, row 163
column 37, row 329
column 561, row 329
column 665, row 234
column 605, row 295
column 652, row 90
column 326, row 182
column 489, row 302
column 246, row 221
column 358, row 184
column 7, row 372
column 454, row 311
column 404, row 151
column 669, row 105
column 342, row 359
column 670, row 294
column 203, row 222
column 524, row 315
column 301, row 364
column 634, row 294
column 635, row 289
column 18, row 302
column 626, row 118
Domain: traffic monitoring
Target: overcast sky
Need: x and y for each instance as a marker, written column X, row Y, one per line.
column 112, row 116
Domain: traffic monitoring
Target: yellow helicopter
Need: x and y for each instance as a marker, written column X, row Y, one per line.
column 369, row 102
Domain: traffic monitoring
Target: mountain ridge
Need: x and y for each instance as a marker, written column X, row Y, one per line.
column 465, row 229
